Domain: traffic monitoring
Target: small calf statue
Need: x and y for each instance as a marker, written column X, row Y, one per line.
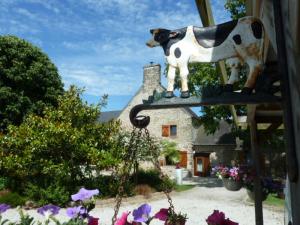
column 239, row 41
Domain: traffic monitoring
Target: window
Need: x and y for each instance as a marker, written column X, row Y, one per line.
column 169, row 130
column 173, row 130
column 165, row 131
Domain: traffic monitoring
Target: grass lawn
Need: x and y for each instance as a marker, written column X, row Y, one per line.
column 273, row 200
column 184, row 187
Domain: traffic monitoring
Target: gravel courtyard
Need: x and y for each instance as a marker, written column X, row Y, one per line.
column 198, row 203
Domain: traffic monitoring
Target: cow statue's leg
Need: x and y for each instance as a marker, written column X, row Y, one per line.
column 234, row 65
column 255, row 67
column 184, row 72
column 171, row 80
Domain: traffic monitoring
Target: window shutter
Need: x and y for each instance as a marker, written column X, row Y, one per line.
column 165, row 131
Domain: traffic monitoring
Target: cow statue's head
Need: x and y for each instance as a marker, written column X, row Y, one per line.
column 160, row 36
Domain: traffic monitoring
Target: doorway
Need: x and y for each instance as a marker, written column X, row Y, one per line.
column 201, row 165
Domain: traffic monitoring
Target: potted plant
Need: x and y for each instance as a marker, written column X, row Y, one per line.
column 268, row 186
column 231, row 176
column 175, row 218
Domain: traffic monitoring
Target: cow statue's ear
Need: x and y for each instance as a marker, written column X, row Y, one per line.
column 173, row 34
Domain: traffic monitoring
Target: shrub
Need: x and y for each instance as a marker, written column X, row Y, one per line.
column 54, row 194
column 66, row 144
column 108, row 186
column 13, row 199
column 152, row 178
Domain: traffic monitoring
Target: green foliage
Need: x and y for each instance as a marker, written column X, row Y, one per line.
column 237, row 8
column 170, row 151
column 203, row 75
column 55, row 193
column 152, row 178
column 29, row 81
column 143, row 144
column 66, row 144
column 25, row 219
column 274, row 200
column 13, row 199
column 3, row 183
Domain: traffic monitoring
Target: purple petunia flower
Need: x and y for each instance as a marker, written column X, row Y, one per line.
column 48, row 210
column 4, row 207
column 75, row 211
column 84, row 194
column 142, row 214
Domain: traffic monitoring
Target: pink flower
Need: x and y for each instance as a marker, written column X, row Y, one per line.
column 123, row 219
column 216, row 218
column 162, row 215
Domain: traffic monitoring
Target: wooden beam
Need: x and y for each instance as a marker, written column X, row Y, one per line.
column 257, row 179
column 207, row 19
column 273, row 127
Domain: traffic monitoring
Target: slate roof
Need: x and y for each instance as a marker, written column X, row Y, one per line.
column 109, row 115
column 222, row 136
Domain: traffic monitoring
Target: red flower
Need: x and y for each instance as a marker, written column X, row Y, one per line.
column 162, row 215
column 123, row 219
column 93, row 221
column 216, row 218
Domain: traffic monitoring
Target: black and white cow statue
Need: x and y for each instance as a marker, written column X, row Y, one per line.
column 239, row 41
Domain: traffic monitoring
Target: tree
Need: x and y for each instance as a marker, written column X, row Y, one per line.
column 65, row 146
column 29, row 81
column 237, row 8
column 170, row 151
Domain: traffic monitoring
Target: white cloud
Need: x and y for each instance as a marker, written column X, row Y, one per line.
column 99, row 81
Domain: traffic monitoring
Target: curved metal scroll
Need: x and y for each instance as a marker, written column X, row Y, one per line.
column 225, row 98
column 138, row 121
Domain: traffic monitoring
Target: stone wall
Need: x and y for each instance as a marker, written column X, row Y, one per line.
column 180, row 116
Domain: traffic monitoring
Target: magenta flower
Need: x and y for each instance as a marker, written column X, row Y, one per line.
column 4, row 207
column 216, row 218
column 123, row 219
column 142, row 214
column 84, row 194
column 162, row 215
column 76, row 211
column 93, row 221
column 48, row 210
column 229, row 222
column 234, row 173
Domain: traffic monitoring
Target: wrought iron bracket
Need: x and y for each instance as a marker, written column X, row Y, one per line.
column 225, row 98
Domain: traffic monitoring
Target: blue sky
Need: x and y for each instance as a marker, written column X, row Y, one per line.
column 100, row 44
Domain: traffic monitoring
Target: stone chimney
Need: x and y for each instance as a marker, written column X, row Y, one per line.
column 151, row 76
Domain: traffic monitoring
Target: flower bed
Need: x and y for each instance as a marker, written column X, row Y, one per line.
column 83, row 203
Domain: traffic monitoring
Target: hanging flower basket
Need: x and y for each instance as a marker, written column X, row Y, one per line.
column 232, row 185
column 252, row 196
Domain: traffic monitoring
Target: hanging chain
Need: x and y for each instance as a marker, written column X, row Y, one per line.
column 155, row 151
column 130, row 159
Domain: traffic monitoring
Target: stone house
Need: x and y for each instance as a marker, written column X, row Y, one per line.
column 178, row 125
